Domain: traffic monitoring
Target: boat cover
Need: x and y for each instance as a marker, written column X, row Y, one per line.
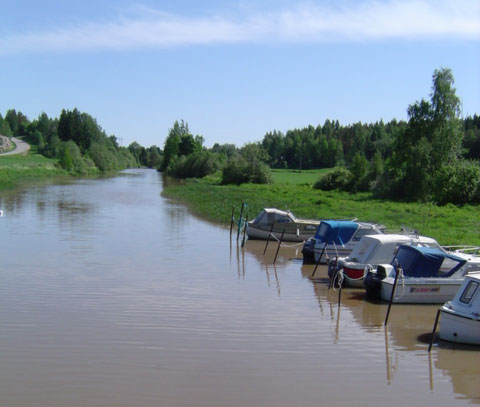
column 269, row 216
column 335, row 231
column 427, row 262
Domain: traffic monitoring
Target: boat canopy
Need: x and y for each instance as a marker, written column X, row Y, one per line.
column 426, row 262
column 375, row 249
column 335, row 231
column 268, row 216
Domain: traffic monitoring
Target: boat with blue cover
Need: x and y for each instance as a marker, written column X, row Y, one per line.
column 336, row 238
column 425, row 275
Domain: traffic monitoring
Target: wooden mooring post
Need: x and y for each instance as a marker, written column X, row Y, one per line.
column 434, row 329
column 231, row 220
column 268, row 239
column 392, row 295
column 278, row 248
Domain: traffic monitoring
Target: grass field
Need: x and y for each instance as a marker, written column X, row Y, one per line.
column 448, row 224
column 14, row 168
column 297, row 177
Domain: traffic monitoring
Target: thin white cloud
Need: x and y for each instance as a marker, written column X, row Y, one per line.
column 352, row 21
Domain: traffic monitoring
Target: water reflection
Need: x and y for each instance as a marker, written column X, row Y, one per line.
column 112, row 295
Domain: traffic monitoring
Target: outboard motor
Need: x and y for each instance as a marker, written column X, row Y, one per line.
column 307, row 251
column 373, row 282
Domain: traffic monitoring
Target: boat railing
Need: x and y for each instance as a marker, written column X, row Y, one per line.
column 463, row 249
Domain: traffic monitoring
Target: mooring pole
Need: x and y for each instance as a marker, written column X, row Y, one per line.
column 339, row 294
column 330, row 283
column 231, row 220
column 391, row 295
column 278, row 248
column 240, row 220
column 319, row 259
column 268, row 239
column 434, row 329
column 245, row 230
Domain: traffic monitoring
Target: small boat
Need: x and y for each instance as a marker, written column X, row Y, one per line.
column 373, row 250
column 460, row 317
column 296, row 230
column 336, row 238
column 426, row 275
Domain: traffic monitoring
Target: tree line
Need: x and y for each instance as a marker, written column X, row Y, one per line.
column 75, row 139
column 433, row 156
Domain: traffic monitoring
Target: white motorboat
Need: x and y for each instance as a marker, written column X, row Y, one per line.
column 373, row 250
column 460, row 317
column 426, row 275
column 283, row 222
column 336, row 238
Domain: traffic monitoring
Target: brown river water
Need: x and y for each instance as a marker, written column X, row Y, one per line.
column 111, row 295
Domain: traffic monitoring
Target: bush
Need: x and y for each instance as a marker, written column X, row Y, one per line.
column 196, row 165
column 71, row 158
column 239, row 171
column 339, row 178
column 457, row 183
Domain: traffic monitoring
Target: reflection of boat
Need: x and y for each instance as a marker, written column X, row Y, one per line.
column 336, row 238
column 460, row 318
column 426, row 275
column 296, row 230
column 373, row 250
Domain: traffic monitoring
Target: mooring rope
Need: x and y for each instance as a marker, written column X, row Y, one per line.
column 284, row 244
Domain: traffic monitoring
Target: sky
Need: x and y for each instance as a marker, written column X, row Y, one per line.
column 233, row 70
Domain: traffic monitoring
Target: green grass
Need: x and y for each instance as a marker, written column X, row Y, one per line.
column 448, row 224
column 15, row 168
column 297, row 177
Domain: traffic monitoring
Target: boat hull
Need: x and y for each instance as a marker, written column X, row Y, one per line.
column 292, row 234
column 420, row 291
column 459, row 327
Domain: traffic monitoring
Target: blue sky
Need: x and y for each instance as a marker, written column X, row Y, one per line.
column 233, row 70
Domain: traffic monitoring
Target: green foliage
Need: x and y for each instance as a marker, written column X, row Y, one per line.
column 360, row 173
column 429, row 147
column 196, row 165
column 5, row 129
column 457, row 183
column 239, row 170
column 17, row 122
column 226, row 150
column 340, row 178
column 179, row 142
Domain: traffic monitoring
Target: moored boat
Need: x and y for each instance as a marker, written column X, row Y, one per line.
column 426, row 275
column 373, row 250
column 294, row 229
column 336, row 238
column 460, row 317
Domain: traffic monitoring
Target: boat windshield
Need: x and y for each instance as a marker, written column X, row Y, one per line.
column 469, row 292
column 270, row 217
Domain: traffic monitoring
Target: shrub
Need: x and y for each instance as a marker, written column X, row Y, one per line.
column 457, row 183
column 339, row 178
column 196, row 165
column 238, row 171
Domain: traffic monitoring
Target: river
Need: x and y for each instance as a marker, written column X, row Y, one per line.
column 112, row 295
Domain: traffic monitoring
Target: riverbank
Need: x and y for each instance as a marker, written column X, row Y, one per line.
column 449, row 224
column 16, row 168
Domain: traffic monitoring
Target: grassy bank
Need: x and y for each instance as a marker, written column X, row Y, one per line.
column 15, row 168
column 293, row 190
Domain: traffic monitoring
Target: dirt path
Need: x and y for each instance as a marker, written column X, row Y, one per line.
column 21, row 147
